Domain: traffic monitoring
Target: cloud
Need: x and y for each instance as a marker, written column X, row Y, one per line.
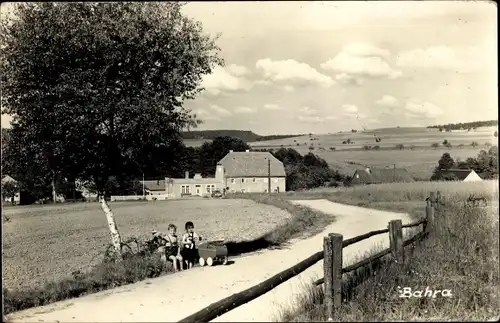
column 245, row 110
column 292, row 71
column 205, row 115
column 288, row 88
column 388, row 101
column 347, row 79
column 350, row 109
column 308, row 111
column 315, row 119
column 362, row 60
column 221, row 80
column 463, row 60
column 237, row 70
column 220, row 110
column 310, row 119
column 365, row 50
column 271, row 106
column 422, row 110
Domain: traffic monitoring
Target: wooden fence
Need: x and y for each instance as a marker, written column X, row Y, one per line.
column 333, row 271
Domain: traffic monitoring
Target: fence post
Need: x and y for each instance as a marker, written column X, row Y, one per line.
column 396, row 240
column 432, row 198
column 429, row 216
column 332, row 267
column 438, row 199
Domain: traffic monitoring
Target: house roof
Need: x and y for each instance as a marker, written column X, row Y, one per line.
column 251, row 164
column 460, row 174
column 7, row 178
column 205, row 180
column 154, row 185
column 385, row 175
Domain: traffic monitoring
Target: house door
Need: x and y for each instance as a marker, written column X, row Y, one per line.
column 198, row 190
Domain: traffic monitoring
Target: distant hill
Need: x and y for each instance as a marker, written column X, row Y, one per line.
column 466, row 125
column 246, row 136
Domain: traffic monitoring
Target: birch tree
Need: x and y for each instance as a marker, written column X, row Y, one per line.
column 96, row 86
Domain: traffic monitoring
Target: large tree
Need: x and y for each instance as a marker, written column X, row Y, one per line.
column 99, row 87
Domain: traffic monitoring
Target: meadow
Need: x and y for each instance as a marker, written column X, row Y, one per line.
column 418, row 157
column 463, row 257
column 48, row 243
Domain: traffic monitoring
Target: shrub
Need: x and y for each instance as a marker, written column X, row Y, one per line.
column 445, row 142
column 332, row 148
column 400, row 146
column 474, row 144
column 435, row 145
column 367, row 147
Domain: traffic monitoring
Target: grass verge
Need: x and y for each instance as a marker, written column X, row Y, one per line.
column 107, row 275
column 104, row 276
column 463, row 257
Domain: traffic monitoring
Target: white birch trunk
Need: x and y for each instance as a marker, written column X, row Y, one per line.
column 115, row 234
column 54, row 194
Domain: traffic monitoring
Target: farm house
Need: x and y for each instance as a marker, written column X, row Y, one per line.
column 246, row 171
column 380, row 176
column 463, row 175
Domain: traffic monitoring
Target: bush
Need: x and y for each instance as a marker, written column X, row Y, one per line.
column 474, row 144
column 400, row 146
column 435, row 145
column 377, row 147
column 445, row 142
column 332, row 148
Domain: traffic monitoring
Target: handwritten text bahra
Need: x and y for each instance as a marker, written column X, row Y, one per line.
column 407, row 292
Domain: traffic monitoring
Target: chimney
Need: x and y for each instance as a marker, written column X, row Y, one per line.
column 231, row 151
column 186, row 175
column 368, row 170
column 247, row 150
column 197, row 176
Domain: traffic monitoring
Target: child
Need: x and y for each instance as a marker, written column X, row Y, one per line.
column 172, row 247
column 189, row 251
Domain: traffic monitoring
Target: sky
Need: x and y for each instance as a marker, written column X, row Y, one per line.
column 324, row 67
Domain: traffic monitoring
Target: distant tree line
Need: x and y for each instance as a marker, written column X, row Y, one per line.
column 246, row 136
column 485, row 165
column 465, row 125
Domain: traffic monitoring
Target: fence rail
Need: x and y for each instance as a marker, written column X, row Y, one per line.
column 333, row 271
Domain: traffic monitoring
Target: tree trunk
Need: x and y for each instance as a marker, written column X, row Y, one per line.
column 115, row 234
column 54, row 195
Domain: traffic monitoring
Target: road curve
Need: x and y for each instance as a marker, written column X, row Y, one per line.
column 173, row 297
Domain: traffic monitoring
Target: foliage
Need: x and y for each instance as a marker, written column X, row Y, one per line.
column 115, row 75
column 474, row 144
column 445, row 142
column 400, row 146
column 9, row 189
column 467, row 125
column 485, row 164
column 435, row 145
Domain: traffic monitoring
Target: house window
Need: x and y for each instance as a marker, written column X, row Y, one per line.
column 254, row 180
column 243, row 180
column 213, row 187
column 208, row 188
column 232, row 180
column 275, row 180
column 185, row 189
column 265, row 180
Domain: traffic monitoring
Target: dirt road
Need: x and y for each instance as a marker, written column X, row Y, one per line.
column 173, row 297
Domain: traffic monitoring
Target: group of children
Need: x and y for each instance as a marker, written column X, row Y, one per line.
column 180, row 254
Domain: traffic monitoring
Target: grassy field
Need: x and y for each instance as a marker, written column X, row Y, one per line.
column 418, row 156
column 463, row 257
column 50, row 242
